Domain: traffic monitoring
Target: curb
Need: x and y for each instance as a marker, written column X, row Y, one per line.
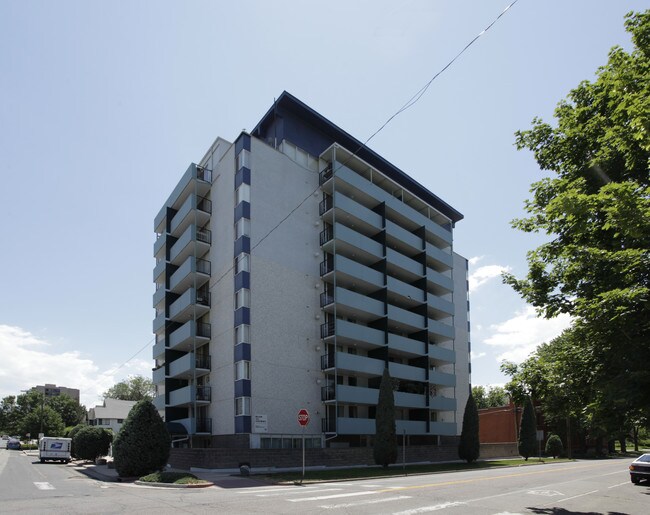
column 173, row 485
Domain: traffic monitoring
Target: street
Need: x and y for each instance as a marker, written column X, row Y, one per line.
column 582, row 487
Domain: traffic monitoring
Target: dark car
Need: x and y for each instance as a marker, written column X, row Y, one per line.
column 640, row 468
column 13, row 444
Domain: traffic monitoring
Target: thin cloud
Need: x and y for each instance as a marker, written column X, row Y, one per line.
column 524, row 332
column 476, row 355
column 483, row 274
column 28, row 360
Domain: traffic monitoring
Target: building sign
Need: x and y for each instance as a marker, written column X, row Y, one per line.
column 260, row 424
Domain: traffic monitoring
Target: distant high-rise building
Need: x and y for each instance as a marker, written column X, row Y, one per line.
column 292, row 267
column 52, row 390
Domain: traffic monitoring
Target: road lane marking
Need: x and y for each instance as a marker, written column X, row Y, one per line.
column 620, row 484
column 494, row 478
column 335, row 496
column 363, row 503
column 43, row 486
column 425, row 509
column 546, row 493
column 575, row 496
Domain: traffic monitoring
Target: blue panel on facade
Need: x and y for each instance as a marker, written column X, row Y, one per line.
column 242, row 244
column 242, row 280
column 243, row 424
column 242, row 316
column 243, row 352
column 243, row 210
column 243, row 175
column 243, row 388
column 242, row 143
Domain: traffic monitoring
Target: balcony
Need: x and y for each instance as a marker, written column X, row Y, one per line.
column 158, row 349
column 159, row 402
column 357, row 305
column 189, row 395
column 158, row 375
column 193, row 272
column 326, row 235
column 193, row 242
column 361, row 335
column 192, row 304
column 159, row 245
column 438, row 282
column 326, row 298
column 325, row 205
column 441, row 354
column 195, row 210
column 350, row 242
column 327, row 361
column 328, row 425
column 191, row 333
column 442, row 378
column 189, row 366
column 441, row 330
column 325, row 175
column 327, row 329
column 442, row 403
column 159, row 322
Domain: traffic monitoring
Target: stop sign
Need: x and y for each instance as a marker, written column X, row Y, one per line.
column 303, row 417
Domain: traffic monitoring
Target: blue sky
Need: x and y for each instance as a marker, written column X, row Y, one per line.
column 104, row 104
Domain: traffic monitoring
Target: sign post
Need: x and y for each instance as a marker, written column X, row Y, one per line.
column 303, row 420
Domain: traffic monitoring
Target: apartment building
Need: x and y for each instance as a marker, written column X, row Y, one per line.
column 292, row 266
column 52, row 390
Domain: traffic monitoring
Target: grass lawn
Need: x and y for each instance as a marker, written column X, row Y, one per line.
column 370, row 472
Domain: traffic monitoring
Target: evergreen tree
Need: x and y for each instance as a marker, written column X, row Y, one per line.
column 554, row 446
column 528, row 431
column 469, row 447
column 91, row 442
column 142, row 445
column 385, row 445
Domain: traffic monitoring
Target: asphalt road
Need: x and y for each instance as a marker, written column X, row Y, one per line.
column 583, row 487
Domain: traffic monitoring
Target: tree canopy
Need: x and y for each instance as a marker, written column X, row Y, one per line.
column 491, row 397
column 594, row 205
column 135, row 388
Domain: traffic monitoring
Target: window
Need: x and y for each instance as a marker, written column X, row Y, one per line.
column 243, row 159
column 242, row 406
column 242, row 227
column 243, row 298
column 242, row 370
column 242, row 263
column 120, row 420
column 242, row 194
column 242, row 334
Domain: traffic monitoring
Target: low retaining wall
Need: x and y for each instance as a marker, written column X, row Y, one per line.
column 228, row 458
column 499, row 450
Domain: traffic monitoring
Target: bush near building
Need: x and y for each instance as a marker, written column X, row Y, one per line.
column 142, row 445
column 385, row 446
column 89, row 443
column 469, row 447
column 528, row 431
column 554, row 446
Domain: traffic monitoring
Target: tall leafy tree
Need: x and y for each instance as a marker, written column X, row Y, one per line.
column 594, row 205
column 69, row 409
column 47, row 420
column 528, row 431
column 135, row 388
column 469, row 447
column 385, row 445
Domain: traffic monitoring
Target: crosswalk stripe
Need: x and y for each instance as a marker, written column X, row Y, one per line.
column 43, row 486
column 277, row 494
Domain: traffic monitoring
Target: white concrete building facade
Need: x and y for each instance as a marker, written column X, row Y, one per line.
column 292, row 267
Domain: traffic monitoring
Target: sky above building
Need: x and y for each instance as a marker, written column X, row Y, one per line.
column 103, row 105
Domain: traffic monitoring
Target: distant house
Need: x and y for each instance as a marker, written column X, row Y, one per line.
column 111, row 414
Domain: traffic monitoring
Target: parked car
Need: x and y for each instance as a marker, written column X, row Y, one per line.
column 640, row 468
column 13, row 444
column 5, row 441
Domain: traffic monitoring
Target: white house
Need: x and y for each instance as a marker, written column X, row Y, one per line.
column 111, row 414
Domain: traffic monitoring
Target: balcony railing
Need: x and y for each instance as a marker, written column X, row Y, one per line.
column 325, row 205
column 203, row 393
column 327, row 329
column 203, row 266
column 326, row 298
column 204, row 425
column 203, row 298
column 326, row 235
column 204, row 235
column 325, row 175
column 327, row 393
column 203, row 329
column 326, row 266
column 203, row 174
column 204, row 205
column 203, row 362
column 326, row 361
column 328, row 425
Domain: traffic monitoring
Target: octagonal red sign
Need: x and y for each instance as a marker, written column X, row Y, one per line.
column 303, row 417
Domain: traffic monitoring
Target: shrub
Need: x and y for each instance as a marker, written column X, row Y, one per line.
column 528, row 431
column 91, row 442
column 71, row 434
column 177, row 478
column 469, row 447
column 385, row 447
column 142, row 445
column 554, row 446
